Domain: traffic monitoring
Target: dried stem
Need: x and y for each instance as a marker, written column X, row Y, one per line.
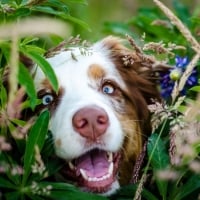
column 188, row 71
column 140, row 187
column 13, row 68
column 179, row 87
column 182, row 28
column 194, row 44
column 138, row 164
column 193, row 111
column 134, row 45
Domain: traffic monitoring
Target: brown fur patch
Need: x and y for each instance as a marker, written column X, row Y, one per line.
column 58, row 143
column 138, row 77
column 96, row 72
column 133, row 141
column 141, row 88
column 46, row 84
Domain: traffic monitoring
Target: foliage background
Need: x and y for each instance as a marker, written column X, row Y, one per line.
column 27, row 170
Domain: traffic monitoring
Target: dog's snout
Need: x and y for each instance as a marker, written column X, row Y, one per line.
column 91, row 122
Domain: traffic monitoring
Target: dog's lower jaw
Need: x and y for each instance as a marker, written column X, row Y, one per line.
column 113, row 188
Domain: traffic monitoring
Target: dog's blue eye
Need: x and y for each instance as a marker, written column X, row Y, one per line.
column 108, row 89
column 47, row 99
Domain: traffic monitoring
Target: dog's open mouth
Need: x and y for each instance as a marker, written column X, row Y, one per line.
column 94, row 171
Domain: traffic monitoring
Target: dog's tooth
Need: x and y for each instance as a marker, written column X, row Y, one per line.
column 111, row 167
column 90, row 179
column 99, row 178
column 83, row 173
column 105, row 177
column 71, row 166
column 93, row 179
column 110, row 156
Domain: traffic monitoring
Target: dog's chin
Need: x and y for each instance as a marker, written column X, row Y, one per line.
column 95, row 171
column 109, row 191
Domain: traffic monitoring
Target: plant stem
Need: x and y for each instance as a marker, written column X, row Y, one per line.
column 190, row 38
column 143, row 178
column 13, row 77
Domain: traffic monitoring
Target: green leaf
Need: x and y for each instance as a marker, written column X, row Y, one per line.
column 45, row 66
column 195, row 88
column 36, row 137
column 4, row 97
column 190, row 186
column 182, row 11
column 24, row 2
column 28, row 40
column 34, row 48
column 22, row 12
column 84, row 2
column 35, row 197
column 13, row 196
column 15, row 180
column 5, row 183
column 182, row 109
column 59, row 5
column 159, row 160
column 46, row 9
column 77, row 21
column 50, row 10
column 148, row 195
column 26, row 80
column 117, row 28
column 62, row 190
column 18, row 122
column 128, row 192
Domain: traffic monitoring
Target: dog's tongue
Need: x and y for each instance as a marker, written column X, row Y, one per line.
column 94, row 163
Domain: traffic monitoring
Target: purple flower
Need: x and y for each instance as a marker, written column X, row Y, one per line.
column 168, row 79
column 181, row 61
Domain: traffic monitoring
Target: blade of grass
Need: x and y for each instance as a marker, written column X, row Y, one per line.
column 141, row 182
column 26, row 80
column 45, row 66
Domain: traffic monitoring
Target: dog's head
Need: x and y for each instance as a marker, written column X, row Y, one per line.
column 99, row 117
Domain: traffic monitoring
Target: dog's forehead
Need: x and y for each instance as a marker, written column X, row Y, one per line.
column 78, row 65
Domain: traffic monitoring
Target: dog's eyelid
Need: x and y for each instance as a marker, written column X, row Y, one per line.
column 109, row 87
column 44, row 92
column 109, row 82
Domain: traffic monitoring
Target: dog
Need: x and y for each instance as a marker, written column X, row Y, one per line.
column 99, row 116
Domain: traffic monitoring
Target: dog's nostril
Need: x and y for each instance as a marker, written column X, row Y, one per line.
column 102, row 119
column 80, row 123
column 91, row 122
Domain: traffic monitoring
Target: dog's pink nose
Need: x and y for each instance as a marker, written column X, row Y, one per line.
column 91, row 122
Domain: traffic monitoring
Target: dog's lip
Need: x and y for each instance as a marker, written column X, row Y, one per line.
column 94, row 171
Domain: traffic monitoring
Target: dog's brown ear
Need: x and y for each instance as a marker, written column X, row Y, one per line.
column 139, row 72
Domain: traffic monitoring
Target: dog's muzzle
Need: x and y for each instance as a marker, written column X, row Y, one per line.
column 95, row 170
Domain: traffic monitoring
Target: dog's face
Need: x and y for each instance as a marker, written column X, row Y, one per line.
column 99, row 115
